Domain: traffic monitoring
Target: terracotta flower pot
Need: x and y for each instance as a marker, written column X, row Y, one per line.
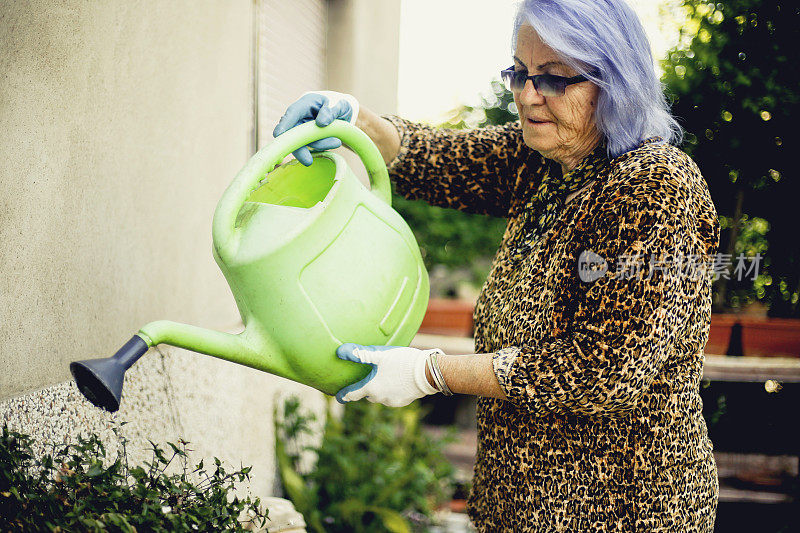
column 719, row 335
column 771, row 337
column 448, row 317
column 733, row 334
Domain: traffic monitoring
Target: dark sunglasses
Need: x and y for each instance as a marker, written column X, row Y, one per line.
column 545, row 84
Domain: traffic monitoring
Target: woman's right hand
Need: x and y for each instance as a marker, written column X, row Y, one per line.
column 324, row 107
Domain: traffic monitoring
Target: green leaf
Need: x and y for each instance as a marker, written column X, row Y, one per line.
column 373, row 464
column 121, row 500
column 391, row 520
column 95, row 470
column 293, row 484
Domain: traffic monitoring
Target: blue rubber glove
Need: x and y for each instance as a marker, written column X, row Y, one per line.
column 397, row 377
column 324, row 107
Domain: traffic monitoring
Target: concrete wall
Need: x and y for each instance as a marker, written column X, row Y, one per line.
column 363, row 56
column 121, row 123
column 363, row 51
column 291, row 57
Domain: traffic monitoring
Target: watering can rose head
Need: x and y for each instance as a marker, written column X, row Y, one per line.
column 286, row 237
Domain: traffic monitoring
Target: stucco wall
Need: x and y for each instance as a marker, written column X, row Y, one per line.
column 363, row 51
column 292, row 39
column 363, row 54
column 222, row 409
column 121, row 123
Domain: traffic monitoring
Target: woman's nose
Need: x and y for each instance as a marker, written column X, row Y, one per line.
column 530, row 95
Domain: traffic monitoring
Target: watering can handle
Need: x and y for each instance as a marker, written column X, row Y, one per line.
column 266, row 159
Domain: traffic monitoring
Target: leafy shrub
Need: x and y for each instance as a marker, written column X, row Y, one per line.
column 453, row 240
column 81, row 488
column 735, row 96
column 375, row 469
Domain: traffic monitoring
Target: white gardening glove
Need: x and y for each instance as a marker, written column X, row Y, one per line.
column 397, row 377
column 323, row 107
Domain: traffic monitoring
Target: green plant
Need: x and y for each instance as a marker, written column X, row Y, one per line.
column 735, row 91
column 496, row 107
column 452, row 239
column 80, row 487
column 375, row 469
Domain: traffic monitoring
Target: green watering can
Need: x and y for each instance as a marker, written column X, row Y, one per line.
column 313, row 260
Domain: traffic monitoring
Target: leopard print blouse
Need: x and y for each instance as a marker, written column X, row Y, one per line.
column 597, row 335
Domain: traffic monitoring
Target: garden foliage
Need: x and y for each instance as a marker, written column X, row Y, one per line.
column 374, row 470
column 736, row 92
column 81, row 487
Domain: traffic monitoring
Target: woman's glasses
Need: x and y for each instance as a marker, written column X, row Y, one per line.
column 545, row 84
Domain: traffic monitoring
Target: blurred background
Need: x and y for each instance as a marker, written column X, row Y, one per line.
column 123, row 122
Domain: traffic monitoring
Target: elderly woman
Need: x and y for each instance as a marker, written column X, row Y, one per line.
column 589, row 329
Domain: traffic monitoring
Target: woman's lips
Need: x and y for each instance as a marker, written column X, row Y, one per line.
column 538, row 122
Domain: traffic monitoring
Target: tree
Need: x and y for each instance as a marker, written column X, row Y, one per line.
column 735, row 90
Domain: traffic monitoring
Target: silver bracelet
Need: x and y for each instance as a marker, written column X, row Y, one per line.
column 437, row 384
column 436, row 372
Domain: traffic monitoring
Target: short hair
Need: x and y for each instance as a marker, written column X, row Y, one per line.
column 606, row 38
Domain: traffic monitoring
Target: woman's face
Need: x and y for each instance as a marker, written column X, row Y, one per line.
column 561, row 128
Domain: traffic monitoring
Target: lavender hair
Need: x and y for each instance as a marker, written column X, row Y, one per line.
column 606, row 36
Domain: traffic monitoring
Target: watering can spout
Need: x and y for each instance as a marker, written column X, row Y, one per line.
column 101, row 380
column 215, row 343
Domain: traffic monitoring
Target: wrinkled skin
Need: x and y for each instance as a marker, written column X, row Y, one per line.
column 569, row 133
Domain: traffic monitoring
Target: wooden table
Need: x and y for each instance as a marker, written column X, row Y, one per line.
column 752, row 369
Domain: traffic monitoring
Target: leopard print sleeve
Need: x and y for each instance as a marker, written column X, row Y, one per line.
column 624, row 325
column 471, row 170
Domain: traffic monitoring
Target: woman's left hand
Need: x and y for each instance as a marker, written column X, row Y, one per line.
column 397, row 377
